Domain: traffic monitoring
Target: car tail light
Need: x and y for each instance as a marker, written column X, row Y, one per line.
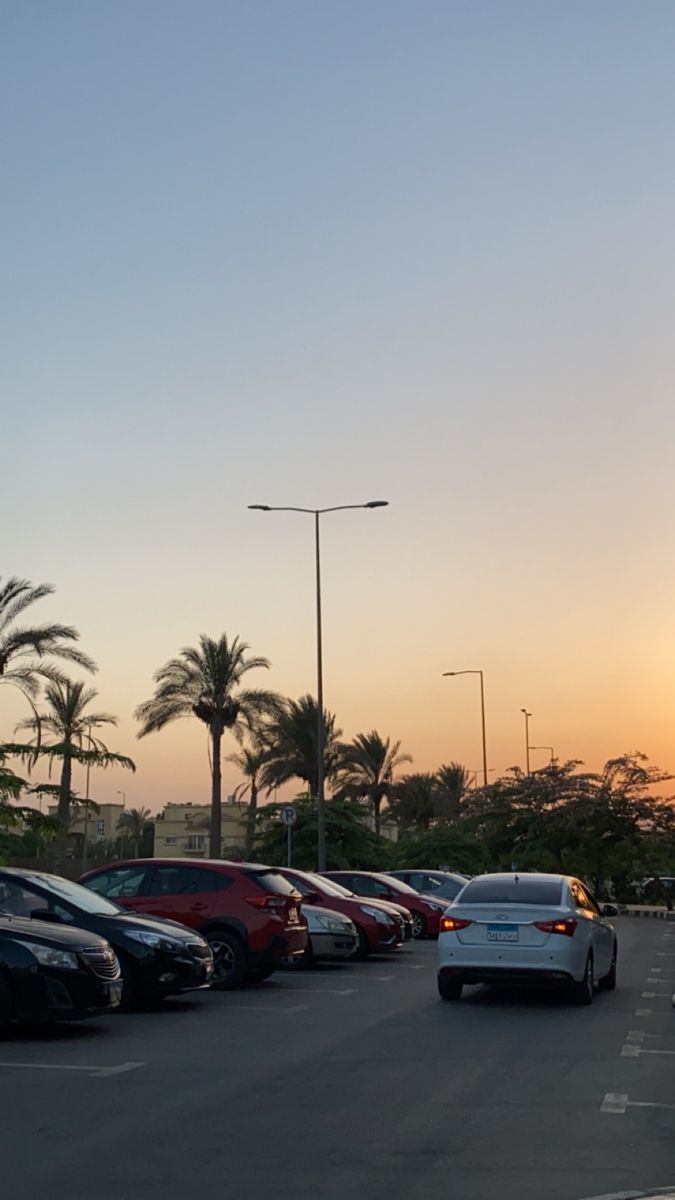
column 271, row 903
column 452, row 924
column 566, row 927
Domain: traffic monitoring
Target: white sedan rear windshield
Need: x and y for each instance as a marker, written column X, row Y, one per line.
column 507, row 891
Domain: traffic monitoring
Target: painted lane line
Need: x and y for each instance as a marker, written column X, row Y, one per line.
column 629, row 1051
column 638, row 1035
column 651, row 995
column 267, row 1008
column 326, row 991
column 96, row 1072
column 644, row 1012
column 665, row 953
column 384, row 978
column 618, row 1102
column 416, row 967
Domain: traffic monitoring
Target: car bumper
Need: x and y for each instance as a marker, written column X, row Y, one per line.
column 165, row 974
column 333, row 945
column 64, row 996
column 534, row 965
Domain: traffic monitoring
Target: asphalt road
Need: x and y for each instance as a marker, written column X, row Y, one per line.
column 354, row 1082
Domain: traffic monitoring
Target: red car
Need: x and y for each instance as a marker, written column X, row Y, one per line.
column 249, row 914
column 379, row 926
column 426, row 912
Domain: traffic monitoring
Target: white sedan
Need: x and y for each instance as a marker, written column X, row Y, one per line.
column 532, row 929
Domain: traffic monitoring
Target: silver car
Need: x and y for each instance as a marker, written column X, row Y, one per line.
column 527, row 928
column 331, row 935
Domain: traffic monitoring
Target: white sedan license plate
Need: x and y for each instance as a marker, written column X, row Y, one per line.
column 502, row 933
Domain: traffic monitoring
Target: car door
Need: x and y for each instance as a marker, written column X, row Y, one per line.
column 588, row 911
column 183, row 892
column 603, row 932
column 124, row 884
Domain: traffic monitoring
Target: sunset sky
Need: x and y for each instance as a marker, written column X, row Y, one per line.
column 313, row 253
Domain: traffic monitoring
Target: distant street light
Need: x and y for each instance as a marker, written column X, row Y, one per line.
column 321, row 798
column 482, row 715
column 527, row 737
column 550, row 750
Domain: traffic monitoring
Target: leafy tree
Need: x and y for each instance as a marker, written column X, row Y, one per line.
column 26, row 649
column 349, row 842
column 414, row 801
column 292, row 741
column 205, row 682
column 453, row 784
column 250, row 760
column 133, row 823
column 444, row 846
column 368, row 774
column 68, row 719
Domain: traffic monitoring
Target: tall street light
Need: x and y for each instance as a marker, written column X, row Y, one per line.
column 320, row 782
column 550, row 750
column 482, row 715
column 527, row 716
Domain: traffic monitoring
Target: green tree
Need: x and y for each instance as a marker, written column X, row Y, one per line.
column 205, row 682
column 292, row 741
column 453, row 784
column 69, row 720
column 25, row 650
column 349, row 842
column 414, row 801
column 132, row 824
column 250, row 760
column 368, row 774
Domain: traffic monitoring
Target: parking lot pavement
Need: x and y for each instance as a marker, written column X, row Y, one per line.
column 355, row 1080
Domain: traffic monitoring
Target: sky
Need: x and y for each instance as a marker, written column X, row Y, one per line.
column 319, row 253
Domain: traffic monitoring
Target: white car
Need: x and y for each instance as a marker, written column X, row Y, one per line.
column 532, row 929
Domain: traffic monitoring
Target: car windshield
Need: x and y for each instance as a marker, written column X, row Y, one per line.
column 329, row 886
column 448, row 889
column 523, row 890
column 80, row 897
column 398, row 884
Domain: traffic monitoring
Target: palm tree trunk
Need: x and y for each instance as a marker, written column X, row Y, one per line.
column 250, row 819
column 377, row 802
column 63, row 810
column 216, row 790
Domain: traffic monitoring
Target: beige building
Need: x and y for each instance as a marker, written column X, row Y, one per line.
column 101, row 826
column 182, row 830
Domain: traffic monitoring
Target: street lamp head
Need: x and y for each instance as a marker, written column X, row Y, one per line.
column 377, row 504
column 261, row 507
column 446, row 673
column 527, row 714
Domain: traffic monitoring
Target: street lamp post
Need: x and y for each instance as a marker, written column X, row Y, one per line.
column 482, row 715
column 550, row 750
column 86, row 806
column 527, row 716
column 124, row 801
column 320, row 780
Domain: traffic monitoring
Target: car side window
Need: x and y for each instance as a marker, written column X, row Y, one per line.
column 589, row 901
column 120, row 883
column 421, row 882
column 364, row 886
column 186, row 881
column 18, row 900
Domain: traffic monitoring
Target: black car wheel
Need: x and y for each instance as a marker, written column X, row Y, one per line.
column 229, row 960
column 259, row 974
column 608, row 981
column 5, row 1005
column 449, row 989
column 419, row 925
column 362, row 949
column 582, row 992
column 130, row 989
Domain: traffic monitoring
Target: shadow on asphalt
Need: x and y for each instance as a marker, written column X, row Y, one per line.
column 515, row 997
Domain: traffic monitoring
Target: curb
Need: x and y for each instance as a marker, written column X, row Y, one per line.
column 660, row 914
column 664, row 1193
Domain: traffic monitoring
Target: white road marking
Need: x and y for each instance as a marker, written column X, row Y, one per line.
column 618, row 1102
column 628, row 1051
column 99, row 1072
column 416, row 967
column 656, row 970
column 291, row 1008
column 644, row 1012
column 327, row 991
column 665, row 953
column 638, row 1035
column 651, row 995
column 384, row 978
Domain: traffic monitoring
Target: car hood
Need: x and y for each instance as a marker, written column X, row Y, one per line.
column 388, row 906
column 313, row 911
column 129, row 921
column 63, row 937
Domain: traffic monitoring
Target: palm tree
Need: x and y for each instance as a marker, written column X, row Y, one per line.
column 293, row 746
column 369, row 773
column 24, row 649
column 453, row 784
column 414, row 800
column 68, row 720
column 250, row 761
column 133, row 822
column 205, row 682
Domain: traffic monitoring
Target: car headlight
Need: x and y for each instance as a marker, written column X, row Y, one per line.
column 156, row 940
column 377, row 914
column 332, row 925
column 48, row 956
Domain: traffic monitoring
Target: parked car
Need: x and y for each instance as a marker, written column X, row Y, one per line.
column 331, row 936
column 440, row 885
column 526, row 929
column 158, row 957
column 425, row 910
column 249, row 914
column 379, row 927
column 49, row 974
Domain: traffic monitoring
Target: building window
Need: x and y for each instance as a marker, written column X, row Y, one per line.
column 195, row 841
column 171, row 841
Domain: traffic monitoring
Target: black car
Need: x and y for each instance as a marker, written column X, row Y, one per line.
column 49, row 974
column 158, row 957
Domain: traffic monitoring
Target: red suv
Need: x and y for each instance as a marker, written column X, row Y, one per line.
column 249, row 914
column 379, row 926
column 426, row 912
